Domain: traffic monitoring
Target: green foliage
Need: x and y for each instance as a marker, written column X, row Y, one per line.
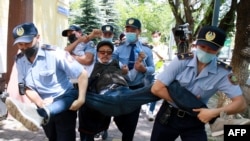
column 88, row 19
column 153, row 16
column 108, row 15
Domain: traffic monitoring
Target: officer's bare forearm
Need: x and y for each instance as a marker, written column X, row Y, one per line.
column 237, row 105
column 34, row 97
column 82, row 86
column 86, row 59
column 160, row 90
column 71, row 46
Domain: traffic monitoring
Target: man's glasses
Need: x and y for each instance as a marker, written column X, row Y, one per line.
column 104, row 52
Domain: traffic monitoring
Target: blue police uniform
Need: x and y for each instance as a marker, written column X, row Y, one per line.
column 122, row 54
column 127, row 123
column 49, row 76
column 171, row 120
column 214, row 77
column 83, row 48
column 42, row 76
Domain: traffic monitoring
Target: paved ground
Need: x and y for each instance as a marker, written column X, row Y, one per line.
column 12, row 130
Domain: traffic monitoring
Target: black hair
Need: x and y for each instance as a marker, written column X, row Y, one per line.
column 156, row 32
column 102, row 43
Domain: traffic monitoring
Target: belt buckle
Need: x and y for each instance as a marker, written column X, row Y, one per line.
column 181, row 113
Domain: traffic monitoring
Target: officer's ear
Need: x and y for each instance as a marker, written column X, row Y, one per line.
column 37, row 37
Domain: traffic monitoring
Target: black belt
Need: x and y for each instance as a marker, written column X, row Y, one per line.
column 137, row 86
column 178, row 112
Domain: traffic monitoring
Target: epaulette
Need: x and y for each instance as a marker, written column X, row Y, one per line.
column 182, row 56
column 91, row 44
column 19, row 55
column 121, row 43
column 147, row 45
column 224, row 65
column 48, row 47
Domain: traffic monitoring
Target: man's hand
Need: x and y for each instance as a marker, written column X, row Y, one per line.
column 140, row 67
column 48, row 101
column 96, row 33
column 141, row 56
column 205, row 114
column 124, row 69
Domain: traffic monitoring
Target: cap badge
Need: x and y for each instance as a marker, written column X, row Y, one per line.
column 107, row 28
column 210, row 36
column 131, row 21
column 20, row 31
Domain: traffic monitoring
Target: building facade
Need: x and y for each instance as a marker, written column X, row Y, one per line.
column 50, row 17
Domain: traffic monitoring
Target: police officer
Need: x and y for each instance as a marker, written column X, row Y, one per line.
column 203, row 75
column 127, row 53
column 107, row 33
column 84, row 52
column 44, row 71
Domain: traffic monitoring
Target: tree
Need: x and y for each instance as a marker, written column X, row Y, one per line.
column 152, row 14
column 88, row 20
column 199, row 13
column 109, row 15
column 241, row 53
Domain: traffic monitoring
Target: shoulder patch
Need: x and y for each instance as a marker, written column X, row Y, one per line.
column 121, row 43
column 48, row 47
column 183, row 56
column 147, row 45
column 91, row 44
column 233, row 79
column 224, row 65
column 19, row 55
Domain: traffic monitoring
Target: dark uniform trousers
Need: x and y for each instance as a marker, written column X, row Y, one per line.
column 172, row 122
column 127, row 123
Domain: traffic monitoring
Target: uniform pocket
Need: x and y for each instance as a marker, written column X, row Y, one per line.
column 124, row 60
column 46, row 77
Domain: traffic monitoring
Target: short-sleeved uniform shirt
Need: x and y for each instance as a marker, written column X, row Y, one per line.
column 82, row 48
column 122, row 54
column 49, row 74
column 211, row 79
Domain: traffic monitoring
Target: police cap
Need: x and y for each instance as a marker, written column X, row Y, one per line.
column 133, row 22
column 71, row 28
column 107, row 28
column 24, row 33
column 211, row 36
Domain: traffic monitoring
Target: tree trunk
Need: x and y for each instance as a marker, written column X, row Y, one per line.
column 240, row 60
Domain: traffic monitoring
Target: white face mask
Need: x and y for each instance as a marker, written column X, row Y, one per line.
column 204, row 57
column 99, row 60
column 156, row 40
column 131, row 37
column 107, row 39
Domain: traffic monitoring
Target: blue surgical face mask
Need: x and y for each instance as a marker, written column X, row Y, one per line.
column 107, row 39
column 131, row 37
column 204, row 57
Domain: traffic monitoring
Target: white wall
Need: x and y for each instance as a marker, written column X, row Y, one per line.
column 4, row 9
